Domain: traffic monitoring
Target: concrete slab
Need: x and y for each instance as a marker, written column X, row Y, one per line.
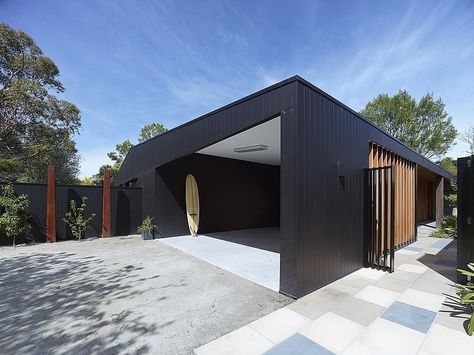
column 121, row 296
column 252, row 254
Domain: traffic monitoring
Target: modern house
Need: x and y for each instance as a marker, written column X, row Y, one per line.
column 342, row 192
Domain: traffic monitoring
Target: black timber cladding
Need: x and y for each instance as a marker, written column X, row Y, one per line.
column 321, row 215
column 465, row 219
column 232, row 119
column 126, row 209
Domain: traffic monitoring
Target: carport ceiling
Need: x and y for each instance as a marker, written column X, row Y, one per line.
column 260, row 144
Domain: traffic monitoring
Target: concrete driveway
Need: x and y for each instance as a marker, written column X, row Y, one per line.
column 253, row 254
column 121, row 295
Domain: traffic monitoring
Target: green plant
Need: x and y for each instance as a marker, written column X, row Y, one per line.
column 467, row 295
column 147, row 225
column 76, row 219
column 14, row 218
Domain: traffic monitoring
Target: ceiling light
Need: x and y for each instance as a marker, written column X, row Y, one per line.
column 251, row 148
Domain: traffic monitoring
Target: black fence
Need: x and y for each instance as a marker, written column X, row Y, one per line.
column 465, row 244
column 126, row 210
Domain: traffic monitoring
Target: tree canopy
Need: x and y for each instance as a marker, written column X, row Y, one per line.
column 424, row 125
column 151, row 130
column 468, row 137
column 35, row 125
column 121, row 150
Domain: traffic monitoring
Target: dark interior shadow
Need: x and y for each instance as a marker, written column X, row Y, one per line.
column 122, row 222
column 261, row 238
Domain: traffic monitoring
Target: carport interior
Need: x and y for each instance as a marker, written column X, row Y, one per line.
column 238, row 180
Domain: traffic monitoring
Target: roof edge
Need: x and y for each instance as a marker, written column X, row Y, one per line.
column 332, row 98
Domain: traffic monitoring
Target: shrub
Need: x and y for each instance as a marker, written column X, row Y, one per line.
column 14, row 218
column 467, row 295
column 147, row 225
column 76, row 219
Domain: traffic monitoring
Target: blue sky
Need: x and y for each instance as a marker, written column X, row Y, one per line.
column 126, row 63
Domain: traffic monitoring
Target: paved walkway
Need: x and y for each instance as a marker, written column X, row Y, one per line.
column 411, row 311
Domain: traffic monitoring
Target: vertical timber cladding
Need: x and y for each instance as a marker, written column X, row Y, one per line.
column 405, row 174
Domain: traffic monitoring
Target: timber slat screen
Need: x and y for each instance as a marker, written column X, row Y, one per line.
column 404, row 195
column 380, row 242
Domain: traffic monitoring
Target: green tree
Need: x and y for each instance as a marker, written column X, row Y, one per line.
column 424, row 125
column 76, row 218
column 29, row 107
column 449, row 164
column 151, row 130
column 14, row 213
column 121, row 150
column 468, row 137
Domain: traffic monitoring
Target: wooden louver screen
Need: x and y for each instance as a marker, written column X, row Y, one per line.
column 404, row 174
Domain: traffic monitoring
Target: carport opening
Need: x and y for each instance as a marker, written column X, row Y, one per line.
column 238, row 179
column 250, row 195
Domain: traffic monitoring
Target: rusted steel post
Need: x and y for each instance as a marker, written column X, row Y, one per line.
column 106, row 222
column 51, row 206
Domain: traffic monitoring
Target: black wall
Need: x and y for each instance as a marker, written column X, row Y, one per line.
column 465, row 243
column 321, row 214
column 233, row 194
column 126, row 210
column 329, row 210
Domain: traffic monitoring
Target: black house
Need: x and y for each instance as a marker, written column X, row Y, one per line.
column 343, row 192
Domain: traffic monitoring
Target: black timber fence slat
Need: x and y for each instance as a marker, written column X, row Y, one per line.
column 126, row 210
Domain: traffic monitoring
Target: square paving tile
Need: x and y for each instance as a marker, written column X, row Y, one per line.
column 422, row 299
column 438, row 288
column 336, row 291
column 279, row 325
column 412, row 248
column 442, row 340
column 369, row 273
column 360, row 348
column 393, row 284
column 453, row 315
column 410, row 316
column 442, row 243
column 312, row 306
column 377, row 295
column 416, row 269
column 241, row 341
column 403, row 275
column 358, row 310
column 333, row 332
column 298, row 344
column 356, row 282
column 405, row 251
column 391, row 338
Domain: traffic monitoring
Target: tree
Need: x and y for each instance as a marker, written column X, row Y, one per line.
column 14, row 218
column 76, row 218
column 121, row 150
column 151, row 130
column 29, row 108
column 450, row 165
column 468, row 137
column 424, row 125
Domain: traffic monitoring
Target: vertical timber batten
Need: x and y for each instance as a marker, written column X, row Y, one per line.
column 51, row 206
column 404, row 196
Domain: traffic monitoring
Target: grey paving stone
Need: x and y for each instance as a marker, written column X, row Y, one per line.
column 413, row 248
column 438, row 288
column 413, row 317
column 393, row 284
column 442, row 243
column 312, row 306
column 358, row 310
column 298, row 344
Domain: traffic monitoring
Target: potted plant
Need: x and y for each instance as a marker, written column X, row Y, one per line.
column 147, row 228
